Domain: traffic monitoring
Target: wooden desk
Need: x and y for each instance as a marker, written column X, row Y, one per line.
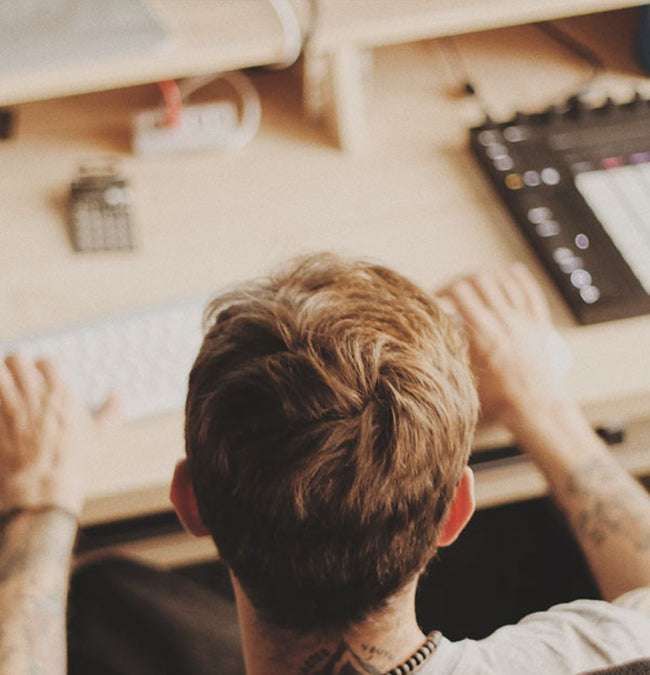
column 413, row 199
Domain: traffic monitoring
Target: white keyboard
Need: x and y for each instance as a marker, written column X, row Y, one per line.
column 144, row 356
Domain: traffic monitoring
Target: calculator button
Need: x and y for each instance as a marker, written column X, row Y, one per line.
column 548, row 228
column 532, row 178
column 562, row 254
column 539, row 213
column 571, row 264
column 580, row 278
column 550, row 176
column 504, row 163
column 590, row 294
column 488, row 137
column 514, row 182
column 515, row 134
column 496, row 151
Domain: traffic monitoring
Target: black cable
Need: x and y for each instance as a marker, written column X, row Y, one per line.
column 460, row 72
column 576, row 47
column 456, row 63
column 6, row 124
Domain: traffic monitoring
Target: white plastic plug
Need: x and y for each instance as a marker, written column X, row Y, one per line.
column 207, row 126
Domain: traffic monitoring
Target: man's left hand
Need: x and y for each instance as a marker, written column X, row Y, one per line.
column 46, row 435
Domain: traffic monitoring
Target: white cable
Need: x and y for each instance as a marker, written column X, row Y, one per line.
column 251, row 110
column 292, row 32
column 251, row 113
column 251, row 106
column 189, row 85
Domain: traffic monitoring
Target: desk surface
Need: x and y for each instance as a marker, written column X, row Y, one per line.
column 414, row 200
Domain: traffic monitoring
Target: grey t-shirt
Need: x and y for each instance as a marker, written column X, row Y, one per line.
column 568, row 638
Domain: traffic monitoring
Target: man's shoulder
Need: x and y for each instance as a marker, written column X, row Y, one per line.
column 567, row 638
column 637, row 600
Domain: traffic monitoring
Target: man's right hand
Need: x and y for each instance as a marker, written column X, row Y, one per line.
column 508, row 324
column 511, row 343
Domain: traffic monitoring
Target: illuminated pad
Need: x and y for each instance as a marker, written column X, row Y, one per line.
column 620, row 199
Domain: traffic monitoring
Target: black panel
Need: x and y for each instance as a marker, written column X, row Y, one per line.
column 533, row 160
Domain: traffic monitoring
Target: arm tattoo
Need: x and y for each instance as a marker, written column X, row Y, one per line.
column 345, row 661
column 608, row 507
column 35, row 552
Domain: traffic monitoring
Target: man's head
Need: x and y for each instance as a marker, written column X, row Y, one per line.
column 328, row 423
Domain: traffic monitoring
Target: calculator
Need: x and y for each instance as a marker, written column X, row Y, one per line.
column 100, row 210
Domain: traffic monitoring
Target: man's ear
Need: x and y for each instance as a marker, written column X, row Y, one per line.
column 184, row 501
column 461, row 509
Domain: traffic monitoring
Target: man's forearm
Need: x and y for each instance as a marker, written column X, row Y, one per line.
column 609, row 512
column 35, row 554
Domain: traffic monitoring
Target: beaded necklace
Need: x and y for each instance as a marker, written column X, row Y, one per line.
column 419, row 656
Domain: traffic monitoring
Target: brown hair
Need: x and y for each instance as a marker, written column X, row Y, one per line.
column 329, row 417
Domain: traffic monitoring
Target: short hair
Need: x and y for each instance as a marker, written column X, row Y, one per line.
column 329, row 417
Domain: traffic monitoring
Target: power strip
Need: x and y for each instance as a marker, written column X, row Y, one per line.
column 207, row 126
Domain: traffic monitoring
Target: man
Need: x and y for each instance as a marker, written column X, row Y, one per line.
column 328, row 425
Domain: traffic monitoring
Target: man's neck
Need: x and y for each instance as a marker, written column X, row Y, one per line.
column 381, row 642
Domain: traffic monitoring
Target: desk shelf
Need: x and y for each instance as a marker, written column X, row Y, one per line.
column 221, row 35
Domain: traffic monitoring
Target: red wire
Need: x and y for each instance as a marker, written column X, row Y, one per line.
column 173, row 102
